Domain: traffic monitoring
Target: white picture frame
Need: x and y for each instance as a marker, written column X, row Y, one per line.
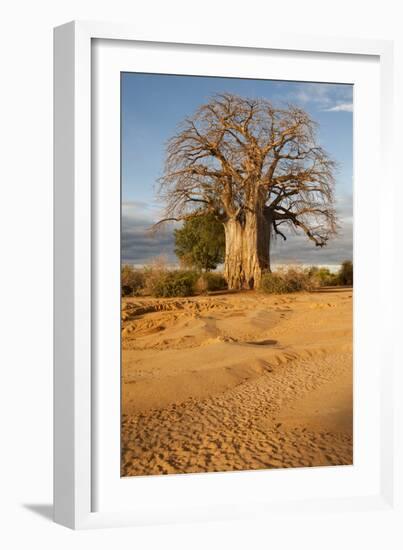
column 86, row 491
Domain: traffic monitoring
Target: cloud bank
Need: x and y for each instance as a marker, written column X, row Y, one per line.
column 140, row 247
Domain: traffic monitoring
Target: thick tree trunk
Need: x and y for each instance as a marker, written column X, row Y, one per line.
column 247, row 250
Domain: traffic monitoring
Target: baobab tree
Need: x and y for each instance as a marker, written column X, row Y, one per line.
column 257, row 168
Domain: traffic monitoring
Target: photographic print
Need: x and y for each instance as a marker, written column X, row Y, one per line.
column 236, row 274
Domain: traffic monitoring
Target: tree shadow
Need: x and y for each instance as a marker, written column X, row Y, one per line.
column 44, row 510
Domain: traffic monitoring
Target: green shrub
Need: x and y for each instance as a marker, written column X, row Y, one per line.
column 132, row 281
column 153, row 273
column 271, row 283
column 287, row 280
column 297, row 280
column 322, row 276
column 168, row 284
column 209, row 282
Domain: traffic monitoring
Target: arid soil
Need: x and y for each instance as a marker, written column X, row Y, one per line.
column 236, row 382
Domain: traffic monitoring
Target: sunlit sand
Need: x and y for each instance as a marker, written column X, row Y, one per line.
column 236, row 381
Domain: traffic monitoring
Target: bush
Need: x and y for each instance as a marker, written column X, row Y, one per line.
column 345, row 274
column 322, row 276
column 271, row 283
column 297, row 280
column 132, row 281
column 287, row 280
column 168, row 284
column 209, row 282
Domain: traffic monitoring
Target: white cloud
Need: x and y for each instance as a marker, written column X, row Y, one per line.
column 318, row 94
column 346, row 107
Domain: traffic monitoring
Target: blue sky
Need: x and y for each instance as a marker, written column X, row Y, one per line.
column 152, row 108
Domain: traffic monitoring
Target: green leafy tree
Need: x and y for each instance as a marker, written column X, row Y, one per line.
column 346, row 273
column 200, row 242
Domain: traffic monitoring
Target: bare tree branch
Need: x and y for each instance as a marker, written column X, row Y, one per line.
column 239, row 155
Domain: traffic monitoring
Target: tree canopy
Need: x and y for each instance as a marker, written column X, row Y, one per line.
column 200, row 242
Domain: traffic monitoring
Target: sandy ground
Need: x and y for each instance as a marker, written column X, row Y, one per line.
column 236, row 382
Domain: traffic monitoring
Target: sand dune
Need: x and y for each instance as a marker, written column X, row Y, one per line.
column 236, row 381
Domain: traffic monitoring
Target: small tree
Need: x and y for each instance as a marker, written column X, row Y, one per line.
column 200, row 242
column 346, row 273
